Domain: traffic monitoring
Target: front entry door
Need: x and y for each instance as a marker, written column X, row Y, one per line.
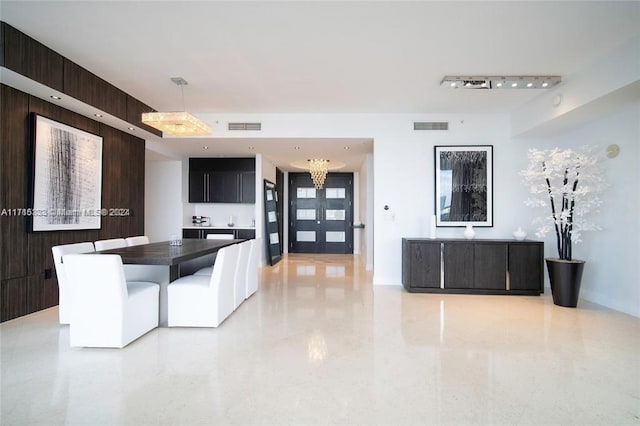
column 321, row 220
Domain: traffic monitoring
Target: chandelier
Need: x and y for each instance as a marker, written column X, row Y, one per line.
column 177, row 123
column 318, row 169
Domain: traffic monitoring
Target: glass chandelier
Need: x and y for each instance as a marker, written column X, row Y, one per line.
column 179, row 123
column 318, row 169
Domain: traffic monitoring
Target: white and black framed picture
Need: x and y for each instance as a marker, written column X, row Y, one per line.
column 67, row 177
column 464, row 185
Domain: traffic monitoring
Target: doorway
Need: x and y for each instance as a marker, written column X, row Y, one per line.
column 321, row 220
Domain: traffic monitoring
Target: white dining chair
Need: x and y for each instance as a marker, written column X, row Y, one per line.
column 252, row 267
column 209, row 269
column 137, row 241
column 108, row 311
column 110, row 244
column 219, row 236
column 201, row 300
column 240, row 279
column 65, row 289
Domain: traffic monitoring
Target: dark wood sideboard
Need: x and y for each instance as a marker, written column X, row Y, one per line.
column 473, row 266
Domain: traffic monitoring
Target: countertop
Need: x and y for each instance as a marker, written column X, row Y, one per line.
column 218, row 227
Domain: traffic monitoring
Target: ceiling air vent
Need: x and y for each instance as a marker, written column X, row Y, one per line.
column 431, row 125
column 245, row 126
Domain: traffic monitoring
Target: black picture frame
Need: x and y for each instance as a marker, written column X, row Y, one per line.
column 463, row 185
column 66, row 178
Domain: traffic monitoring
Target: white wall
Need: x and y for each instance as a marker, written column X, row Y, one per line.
column 163, row 199
column 402, row 167
column 611, row 275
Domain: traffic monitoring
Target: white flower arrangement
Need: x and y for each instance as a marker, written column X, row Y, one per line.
column 566, row 183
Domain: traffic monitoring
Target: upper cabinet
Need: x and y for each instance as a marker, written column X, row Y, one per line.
column 222, row 180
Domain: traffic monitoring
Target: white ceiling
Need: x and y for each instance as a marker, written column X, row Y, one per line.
column 314, row 57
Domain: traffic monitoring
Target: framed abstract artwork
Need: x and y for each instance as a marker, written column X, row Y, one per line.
column 464, row 185
column 67, row 177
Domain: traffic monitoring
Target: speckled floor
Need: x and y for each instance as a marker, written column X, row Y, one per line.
column 319, row 345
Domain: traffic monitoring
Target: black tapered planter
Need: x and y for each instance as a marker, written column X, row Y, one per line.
column 565, row 277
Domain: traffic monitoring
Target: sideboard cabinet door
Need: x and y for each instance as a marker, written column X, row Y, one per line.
column 421, row 264
column 458, row 265
column 490, row 266
column 526, row 266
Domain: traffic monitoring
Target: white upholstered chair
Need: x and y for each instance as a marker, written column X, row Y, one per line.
column 137, row 241
column 108, row 311
column 201, row 300
column 65, row 290
column 219, row 236
column 240, row 279
column 209, row 269
column 252, row 267
column 110, row 244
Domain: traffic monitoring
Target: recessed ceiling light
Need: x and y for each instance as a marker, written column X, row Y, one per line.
column 529, row 84
column 483, row 85
column 205, row 147
column 296, row 148
column 514, row 84
column 499, row 84
column 545, row 84
column 57, row 98
column 98, row 115
column 251, row 148
column 131, row 128
column 453, row 85
column 347, row 147
column 468, row 84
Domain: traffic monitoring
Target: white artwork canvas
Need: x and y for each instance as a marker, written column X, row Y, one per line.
column 67, row 178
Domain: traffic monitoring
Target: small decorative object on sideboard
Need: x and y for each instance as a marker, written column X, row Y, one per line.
column 469, row 233
column 566, row 183
column 519, row 234
column 230, row 223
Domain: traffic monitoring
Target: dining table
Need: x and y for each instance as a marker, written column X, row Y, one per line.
column 163, row 262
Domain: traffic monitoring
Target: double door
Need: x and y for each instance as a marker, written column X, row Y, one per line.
column 321, row 220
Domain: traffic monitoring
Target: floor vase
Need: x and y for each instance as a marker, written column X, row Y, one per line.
column 565, row 277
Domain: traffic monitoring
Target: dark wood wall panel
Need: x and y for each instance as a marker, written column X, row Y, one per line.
column 91, row 89
column 13, row 298
column 125, row 156
column 30, row 58
column 28, row 282
column 14, row 106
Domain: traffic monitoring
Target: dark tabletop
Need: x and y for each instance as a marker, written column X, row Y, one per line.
column 164, row 254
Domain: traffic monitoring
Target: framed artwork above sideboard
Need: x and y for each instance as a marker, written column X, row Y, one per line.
column 464, row 185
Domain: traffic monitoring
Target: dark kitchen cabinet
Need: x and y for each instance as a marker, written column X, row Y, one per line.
column 245, row 234
column 222, row 180
column 472, row 266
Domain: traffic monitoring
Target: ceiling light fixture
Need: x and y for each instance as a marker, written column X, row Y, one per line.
column 179, row 123
column 501, row 82
column 318, row 168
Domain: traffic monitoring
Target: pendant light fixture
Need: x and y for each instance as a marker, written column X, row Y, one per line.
column 179, row 123
column 318, row 168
